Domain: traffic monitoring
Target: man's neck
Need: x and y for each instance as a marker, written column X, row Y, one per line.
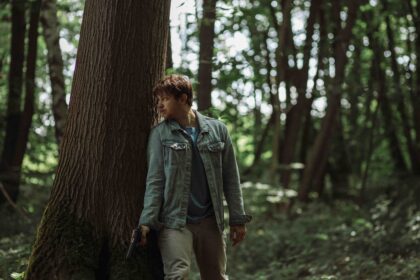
column 188, row 120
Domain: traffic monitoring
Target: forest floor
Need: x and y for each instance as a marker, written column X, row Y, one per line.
column 319, row 240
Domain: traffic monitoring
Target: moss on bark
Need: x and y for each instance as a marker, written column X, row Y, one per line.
column 65, row 247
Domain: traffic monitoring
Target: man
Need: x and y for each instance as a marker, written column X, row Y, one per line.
column 191, row 164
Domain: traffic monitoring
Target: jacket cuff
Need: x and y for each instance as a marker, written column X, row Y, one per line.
column 240, row 220
column 154, row 224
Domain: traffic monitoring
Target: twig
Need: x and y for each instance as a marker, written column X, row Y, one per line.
column 6, row 195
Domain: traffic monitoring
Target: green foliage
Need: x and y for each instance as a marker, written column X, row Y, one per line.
column 342, row 240
column 339, row 241
column 17, row 233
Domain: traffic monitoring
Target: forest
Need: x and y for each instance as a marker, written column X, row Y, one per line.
column 321, row 99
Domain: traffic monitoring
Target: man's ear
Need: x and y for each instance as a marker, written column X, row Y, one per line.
column 184, row 98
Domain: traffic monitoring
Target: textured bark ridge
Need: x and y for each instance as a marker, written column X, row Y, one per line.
column 98, row 191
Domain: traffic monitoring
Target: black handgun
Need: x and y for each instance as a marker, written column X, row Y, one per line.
column 135, row 240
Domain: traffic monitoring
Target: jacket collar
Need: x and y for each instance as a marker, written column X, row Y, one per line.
column 202, row 122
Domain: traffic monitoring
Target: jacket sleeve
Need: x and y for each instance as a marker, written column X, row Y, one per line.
column 231, row 185
column 155, row 182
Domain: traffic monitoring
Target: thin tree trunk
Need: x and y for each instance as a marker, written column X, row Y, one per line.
column 339, row 169
column 385, row 106
column 8, row 174
column 355, row 91
column 206, row 39
column 257, row 119
column 308, row 129
column 416, row 111
column 371, row 119
column 260, row 145
column 280, row 77
column 51, row 34
column 28, row 109
column 294, row 119
column 98, row 190
column 369, row 152
column 318, row 157
column 399, row 93
column 169, row 62
column 268, row 80
column 257, row 47
column 288, row 47
column 415, row 96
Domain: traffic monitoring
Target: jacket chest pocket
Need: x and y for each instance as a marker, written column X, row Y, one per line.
column 215, row 152
column 174, row 152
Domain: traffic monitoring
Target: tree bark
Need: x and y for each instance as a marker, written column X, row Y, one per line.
column 8, row 172
column 206, row 39
column 51, row 34
column 98, row 190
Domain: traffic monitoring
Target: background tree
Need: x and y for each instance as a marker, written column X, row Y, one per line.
column 55, row 64
column 9, row 176
column 206, row 41
column 317, row 160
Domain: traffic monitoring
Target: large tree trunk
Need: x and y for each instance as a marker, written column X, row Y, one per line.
column 317, row 159
column 55, row 64
column 98, row 190
column 206, row 39
column 8, row 175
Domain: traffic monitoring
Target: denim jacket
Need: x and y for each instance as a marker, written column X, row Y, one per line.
column 168, row 181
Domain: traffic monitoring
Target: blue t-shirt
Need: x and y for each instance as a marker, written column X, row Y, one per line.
column 199, row 204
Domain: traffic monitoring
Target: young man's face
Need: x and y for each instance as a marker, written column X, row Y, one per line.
column 169, row 107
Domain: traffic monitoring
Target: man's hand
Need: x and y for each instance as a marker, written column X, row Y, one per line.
column 144, row 231
column 237, row 233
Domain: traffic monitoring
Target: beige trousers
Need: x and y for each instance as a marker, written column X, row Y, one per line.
column 207, row 243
